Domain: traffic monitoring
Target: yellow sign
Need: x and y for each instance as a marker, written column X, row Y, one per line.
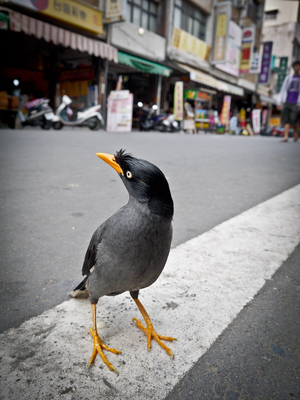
column 75, row 13
column 178, row 101
column 223, row 13
column 221, row 25
column 274, row 121
column 190, row 44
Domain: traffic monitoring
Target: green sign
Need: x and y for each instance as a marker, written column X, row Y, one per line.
column 282, row 70
column 4, row 19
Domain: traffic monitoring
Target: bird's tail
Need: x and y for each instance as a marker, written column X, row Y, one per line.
column 80, row 291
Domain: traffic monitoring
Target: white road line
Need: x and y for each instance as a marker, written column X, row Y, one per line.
column 205, row 284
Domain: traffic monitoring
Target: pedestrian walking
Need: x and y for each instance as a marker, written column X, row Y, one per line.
column 289, row 102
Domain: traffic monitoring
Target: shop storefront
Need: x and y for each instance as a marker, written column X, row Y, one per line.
column 47, row 60
column 145, row 79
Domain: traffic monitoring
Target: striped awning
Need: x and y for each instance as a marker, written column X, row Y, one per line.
column 51, row 33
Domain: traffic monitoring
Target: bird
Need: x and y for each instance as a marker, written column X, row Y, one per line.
column 129, row 250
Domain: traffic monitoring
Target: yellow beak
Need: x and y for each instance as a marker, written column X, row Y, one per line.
column 110, row 159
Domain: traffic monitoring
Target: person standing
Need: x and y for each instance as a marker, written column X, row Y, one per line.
column 289, row 102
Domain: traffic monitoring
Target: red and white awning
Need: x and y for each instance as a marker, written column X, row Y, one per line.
column 50, row 33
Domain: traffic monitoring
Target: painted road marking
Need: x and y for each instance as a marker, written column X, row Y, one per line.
column 205, row 284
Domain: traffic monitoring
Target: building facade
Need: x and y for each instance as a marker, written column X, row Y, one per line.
column 152, row 45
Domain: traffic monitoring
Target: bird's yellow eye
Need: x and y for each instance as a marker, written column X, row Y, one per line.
column 128, row 174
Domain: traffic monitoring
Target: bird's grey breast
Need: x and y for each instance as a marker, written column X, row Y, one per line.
column 133, row 250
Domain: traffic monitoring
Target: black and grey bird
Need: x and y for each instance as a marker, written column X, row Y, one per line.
column 129, row 251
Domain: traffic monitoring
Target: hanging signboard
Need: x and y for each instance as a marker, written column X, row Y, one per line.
column 265, row 73
column 282, row 71
column 223, row 15
column 255, row 63
column 115, row 11
column 246, row 48
column 178, row 101
column 4, row 21
column 233, row 53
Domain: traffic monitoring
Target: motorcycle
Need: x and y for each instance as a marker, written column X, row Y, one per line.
column 149, row 120
column 89, row 117
column 39, row 114
column 163, row 122
column 169, row 124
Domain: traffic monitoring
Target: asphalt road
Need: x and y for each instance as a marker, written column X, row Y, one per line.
column 55, row 192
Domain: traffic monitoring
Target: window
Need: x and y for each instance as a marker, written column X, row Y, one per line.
column 189, row 18
column 269, row 15
column 143, row 13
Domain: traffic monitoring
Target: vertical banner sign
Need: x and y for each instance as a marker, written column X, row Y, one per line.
column 223, row 15
column 178, row 101
column 233, row 53
column 282, row 72
column 255, row 63
column 246, row 49
column 224, row 117
column 265, row 73
column 256, row 114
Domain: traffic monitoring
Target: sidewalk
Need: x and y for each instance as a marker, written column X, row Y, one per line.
column 206, row 283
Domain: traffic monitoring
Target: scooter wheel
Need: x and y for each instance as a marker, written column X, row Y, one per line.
column 95, row 124
column 57, row 125
column 46, row 125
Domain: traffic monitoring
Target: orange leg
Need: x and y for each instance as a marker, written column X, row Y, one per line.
column 149, row 330
column 98, row 345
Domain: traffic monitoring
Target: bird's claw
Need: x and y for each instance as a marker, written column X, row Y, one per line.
column 98, row 346
column 150, row 332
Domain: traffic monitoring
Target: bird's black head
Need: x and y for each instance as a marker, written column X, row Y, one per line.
column 146, row 182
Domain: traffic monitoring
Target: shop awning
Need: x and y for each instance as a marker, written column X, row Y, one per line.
column 201, row 77
column 51, row 33
column 143, row 65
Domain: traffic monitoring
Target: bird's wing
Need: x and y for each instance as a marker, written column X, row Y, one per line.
column 91, row 253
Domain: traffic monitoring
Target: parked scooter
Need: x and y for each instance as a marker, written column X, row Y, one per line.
column 39, row 114
column 89, row 117
column 149, row 120
column 169, row 124
column 163, row 122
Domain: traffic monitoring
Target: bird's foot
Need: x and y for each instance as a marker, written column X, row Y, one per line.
column 150, row 332
column 99, row 347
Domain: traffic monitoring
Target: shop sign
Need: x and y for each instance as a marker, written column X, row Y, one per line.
column 70, row 11
column 282, row 71
column 225, row 113
column 265, row 73
column 223, row 15
column 248, row 38
column 233, row 52
column 255, row 63
column 274, row 121
column 4, row 21
column 80, row 74
column 115, row 11
column 187, row 43
column 178, row 101
column 194, row 94
column 119, row 111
